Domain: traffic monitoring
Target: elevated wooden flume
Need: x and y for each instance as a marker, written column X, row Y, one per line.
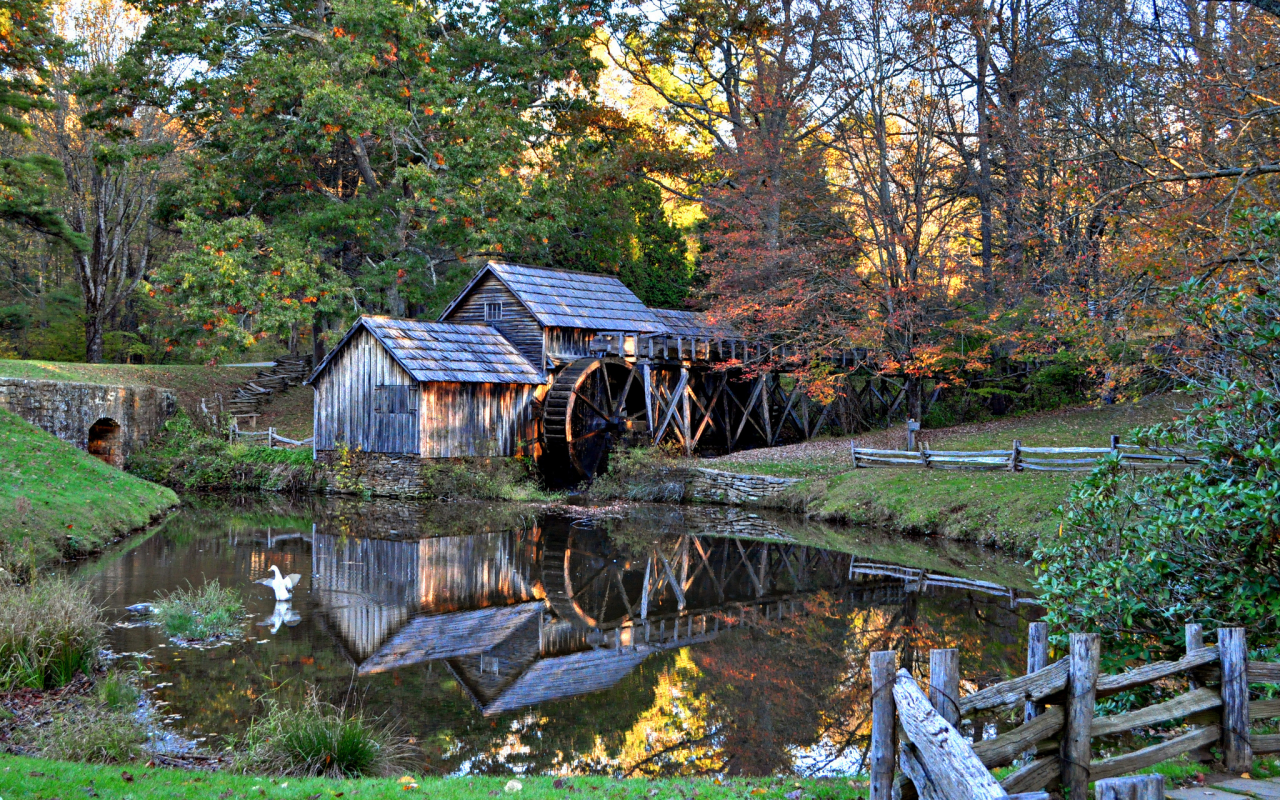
column 919, row 734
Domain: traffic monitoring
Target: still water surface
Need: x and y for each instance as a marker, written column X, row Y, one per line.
column 513, row 640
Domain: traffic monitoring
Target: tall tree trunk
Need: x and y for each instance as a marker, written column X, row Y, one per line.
column 317, row 340
column 984, row 165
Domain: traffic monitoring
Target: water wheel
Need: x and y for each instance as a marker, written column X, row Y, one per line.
column 592, row 404
column 588, row 581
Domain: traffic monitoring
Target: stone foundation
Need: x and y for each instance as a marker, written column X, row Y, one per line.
column 732, row 488
column 108, row 421
column 378, row 474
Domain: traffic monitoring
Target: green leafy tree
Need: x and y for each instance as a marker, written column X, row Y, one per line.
column 1137, row 559
column 242, row 281
column 400, row 143
column 28, row 44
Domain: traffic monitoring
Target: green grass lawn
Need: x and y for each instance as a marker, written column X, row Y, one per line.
column 182, row 377
column 40, row 779
column 1006, row 509
column 58, row 500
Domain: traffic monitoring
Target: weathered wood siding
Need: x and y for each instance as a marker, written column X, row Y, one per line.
column 566, row 344
column 517, row 324
column 351, row 409
column 477, row 419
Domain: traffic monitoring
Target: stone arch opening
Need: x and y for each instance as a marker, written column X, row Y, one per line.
column 106, row 441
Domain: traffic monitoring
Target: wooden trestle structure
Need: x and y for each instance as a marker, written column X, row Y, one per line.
column 702, row 392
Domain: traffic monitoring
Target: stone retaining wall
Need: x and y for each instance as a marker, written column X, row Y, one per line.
column 70, row 410
column 394, row 475
column 379, row 474
column 732, row 488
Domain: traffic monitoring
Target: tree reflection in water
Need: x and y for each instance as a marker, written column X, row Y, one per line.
column 514, row 643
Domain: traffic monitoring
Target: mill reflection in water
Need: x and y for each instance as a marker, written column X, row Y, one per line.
column 557, row 610
column 659, row 641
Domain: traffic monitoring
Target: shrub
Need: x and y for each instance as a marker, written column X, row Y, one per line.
column 209, row 612
column 1136, row 559
column 643, row 474
column 49, row 631
column 185, row 456
column 481, row 479
column 319, row 739
column 93, row 735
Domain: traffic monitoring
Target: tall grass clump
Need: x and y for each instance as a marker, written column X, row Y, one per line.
column 49, row 630
column 209, row 612
column 319, row 739
column 92, row 735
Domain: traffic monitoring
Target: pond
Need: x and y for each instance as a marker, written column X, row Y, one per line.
column 505, row 639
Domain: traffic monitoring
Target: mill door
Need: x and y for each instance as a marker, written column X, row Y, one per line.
column 395, row 419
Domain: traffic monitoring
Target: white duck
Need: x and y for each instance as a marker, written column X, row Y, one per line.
column 282, row 585
column 282, row 615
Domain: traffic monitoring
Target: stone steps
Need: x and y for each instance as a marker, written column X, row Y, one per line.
column 258, row 391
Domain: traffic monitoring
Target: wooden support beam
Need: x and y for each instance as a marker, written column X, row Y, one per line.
column 1237, row 755
column 686, row 416
column 1037, row 659
column 706, row 412
column 944, row 684
column 1082, row 685
column 671, row 409
column 764, row 407
column 671, row 578
column 884, row 724
column 746, row 411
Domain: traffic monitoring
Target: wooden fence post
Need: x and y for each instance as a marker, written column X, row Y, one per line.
column 1237, row 754
column 853, row 449
column 1014, row 455
column 1082, row 689
column 1037, row 659
column 1115, row 442
column 1134, row 787
column 1194, row 634
column 944, row 684
column 884, row 724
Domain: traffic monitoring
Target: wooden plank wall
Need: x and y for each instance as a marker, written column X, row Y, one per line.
column 567, row 344
column 478, row 419
column 517, row 324
column 344, row 401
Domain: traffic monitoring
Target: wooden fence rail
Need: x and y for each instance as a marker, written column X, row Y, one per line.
column 1039, row 459
column 919, row 735
column 273, row 439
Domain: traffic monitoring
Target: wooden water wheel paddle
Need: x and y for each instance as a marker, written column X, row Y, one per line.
column 592, row 404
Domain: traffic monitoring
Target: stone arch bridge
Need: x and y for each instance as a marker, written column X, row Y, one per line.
column 109, row 422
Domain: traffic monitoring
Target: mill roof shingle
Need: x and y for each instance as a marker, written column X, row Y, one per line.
column 560, row 298
column 441, row 351
column 693, row 324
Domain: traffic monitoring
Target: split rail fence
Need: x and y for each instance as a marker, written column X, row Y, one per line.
column 918, row 733
column 273, row 439
column 1019, row 458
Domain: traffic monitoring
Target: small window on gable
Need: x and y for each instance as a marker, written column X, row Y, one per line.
column 493, row 311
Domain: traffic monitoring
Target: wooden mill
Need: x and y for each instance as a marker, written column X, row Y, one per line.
column 552, row 364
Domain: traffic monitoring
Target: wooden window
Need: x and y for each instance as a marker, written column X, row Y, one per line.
column 395, row 399
column 493, row 311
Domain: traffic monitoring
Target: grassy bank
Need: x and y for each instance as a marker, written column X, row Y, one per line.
column 18, row 778
column 186, row 457
column 1000, row 508
column 58, row 501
